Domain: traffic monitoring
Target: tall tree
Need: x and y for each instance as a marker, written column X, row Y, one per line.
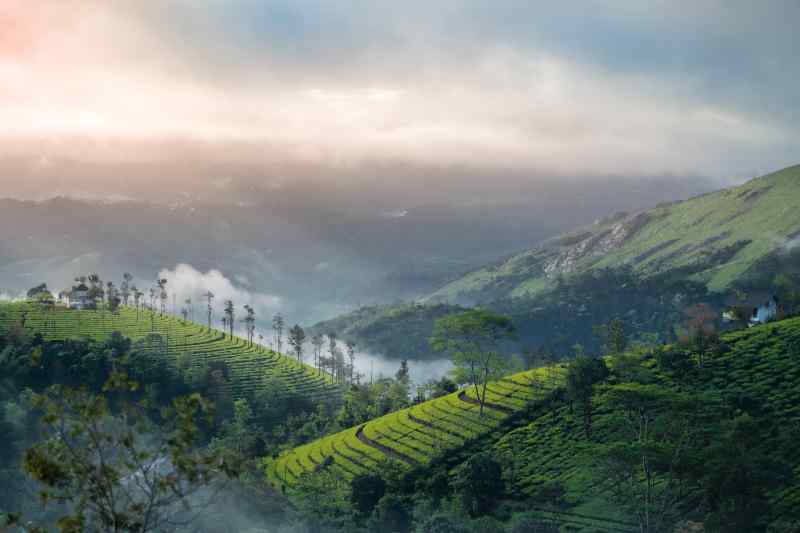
column 137, row 297
column 332, row 352
column 125, row 288
column 209, row 299
column 297, row 337
column 277, row 331
column 582, row 375
column 250, row 322
column 317, row 341
column 351, row 356
column 96, row 288
column 162, row 294
column 643, row 469
column 472, row 339
column 190, row 307
column 230, row 315
column 612, row 336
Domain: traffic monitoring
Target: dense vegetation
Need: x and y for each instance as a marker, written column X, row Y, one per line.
column 713, row 419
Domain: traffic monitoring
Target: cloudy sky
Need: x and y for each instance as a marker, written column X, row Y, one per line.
column 582, row 88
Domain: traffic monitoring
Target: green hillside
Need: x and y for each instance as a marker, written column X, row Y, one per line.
column 714, row 238
column 546, row 456
column 246, row 367
column 417, row 435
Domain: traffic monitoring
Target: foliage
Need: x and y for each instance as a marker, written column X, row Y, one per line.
column 472, row 339
column 114, row 472
column 583, row 373
column 479, row 483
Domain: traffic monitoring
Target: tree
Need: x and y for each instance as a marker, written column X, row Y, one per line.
column 230, row 315
column 209, row 298
column 118, row 473
column 125, row 288
column 738, row 474
column 701, row 330
column 112, row 298
column 317, row 341
column 162, row 294
column 250, row 323
column 366, row 492
column 277, row 331
column 613, row 337
column 297, row 337
column 188, row 303
column 96, row 289
column 137, row 297
column 402, row 372
column 472, row 339
column 351, row 356
column 37, row 290
column 643, row 470
column 583, row 374
column 332, row 352
column 479, row 483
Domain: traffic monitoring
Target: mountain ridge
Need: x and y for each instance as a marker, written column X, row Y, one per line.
column 718, row 235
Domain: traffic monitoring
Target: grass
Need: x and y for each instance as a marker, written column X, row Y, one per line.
column 185, row 344
column 415, row 436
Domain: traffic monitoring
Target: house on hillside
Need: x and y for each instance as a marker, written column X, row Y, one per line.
column 77, row 297
column 756, row 308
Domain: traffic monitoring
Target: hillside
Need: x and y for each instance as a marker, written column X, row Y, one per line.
column 417, row 435
column 245, row 368
column 546, row 457
column 714, row 238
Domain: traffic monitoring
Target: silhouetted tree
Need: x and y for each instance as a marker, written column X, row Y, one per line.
column 209, row 298
column 277, row 331
column 162, row 294
column 317, row 341
column 125, row 288
column 230, row 315
column 297, row 337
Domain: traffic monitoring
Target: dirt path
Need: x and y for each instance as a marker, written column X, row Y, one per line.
column 394, row 454
column 496, row 406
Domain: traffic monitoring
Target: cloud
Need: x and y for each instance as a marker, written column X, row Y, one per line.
column 595, row 88
column 187, row 282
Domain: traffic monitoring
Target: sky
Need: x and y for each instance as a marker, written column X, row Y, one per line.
column 589, row 88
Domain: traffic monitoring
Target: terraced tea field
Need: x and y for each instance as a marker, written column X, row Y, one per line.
column 247, row 365
column 415, row 435
column 763, row 364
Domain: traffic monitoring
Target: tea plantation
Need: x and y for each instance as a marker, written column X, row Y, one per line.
column 762, row 367
column 184, row 343
column 416, row 435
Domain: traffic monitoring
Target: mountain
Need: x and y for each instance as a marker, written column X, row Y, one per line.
column 646, row 268
column 716, row 238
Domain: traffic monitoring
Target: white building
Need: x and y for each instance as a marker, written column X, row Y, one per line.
column 76, row 298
